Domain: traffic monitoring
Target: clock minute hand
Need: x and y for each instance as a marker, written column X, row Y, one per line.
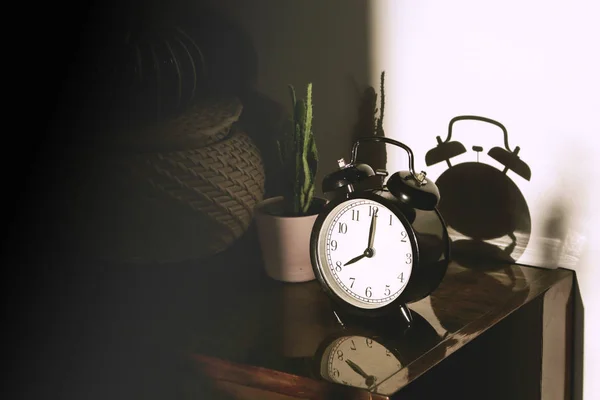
column 372, row 231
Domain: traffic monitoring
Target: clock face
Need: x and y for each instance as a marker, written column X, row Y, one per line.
column 358, row 361
column 365, row 254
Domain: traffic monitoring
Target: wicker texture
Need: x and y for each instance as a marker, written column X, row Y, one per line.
column 202, row 124
column 223, row 181
column 181, row 203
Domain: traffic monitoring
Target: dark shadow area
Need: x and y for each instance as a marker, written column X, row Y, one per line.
column 153, row 150
column 140, row 129
column 96, row 330
column 79, row 326
column 469, row 374
column 101, row 82
column 486, row 213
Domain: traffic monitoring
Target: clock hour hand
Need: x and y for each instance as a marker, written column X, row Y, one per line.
column 370, row 379
column 356, row 368
column 369, row 252
column 355, row 259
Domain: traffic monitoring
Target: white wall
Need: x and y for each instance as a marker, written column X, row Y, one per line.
column 535, row 67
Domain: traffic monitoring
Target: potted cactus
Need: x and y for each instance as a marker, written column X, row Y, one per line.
column 299, row 157
column 284, row 222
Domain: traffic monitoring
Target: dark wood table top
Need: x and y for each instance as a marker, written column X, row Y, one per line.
column 272, row 335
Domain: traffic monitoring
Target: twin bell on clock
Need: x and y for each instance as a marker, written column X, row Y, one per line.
column 376, row 248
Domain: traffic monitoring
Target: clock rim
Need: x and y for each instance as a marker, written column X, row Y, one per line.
column 319, row 274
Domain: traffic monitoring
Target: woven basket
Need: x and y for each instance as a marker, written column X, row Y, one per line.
column 190, row 201
column 203, row 123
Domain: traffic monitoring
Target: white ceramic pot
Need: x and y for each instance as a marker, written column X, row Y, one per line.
column 285, row 241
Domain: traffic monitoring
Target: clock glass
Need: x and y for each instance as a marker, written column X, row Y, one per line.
column 358, row 361
column 365, row 253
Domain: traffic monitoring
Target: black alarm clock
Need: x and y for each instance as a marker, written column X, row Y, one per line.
column 376, row 248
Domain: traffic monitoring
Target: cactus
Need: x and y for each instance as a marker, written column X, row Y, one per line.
column 299, row 156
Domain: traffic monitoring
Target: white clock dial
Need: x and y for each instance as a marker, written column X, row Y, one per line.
column 359, row 361
column 365, row 253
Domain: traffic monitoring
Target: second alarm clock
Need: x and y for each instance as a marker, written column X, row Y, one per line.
column 375, row 249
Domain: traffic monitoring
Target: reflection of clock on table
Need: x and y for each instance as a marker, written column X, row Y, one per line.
column 365, row 357
column 347, row 360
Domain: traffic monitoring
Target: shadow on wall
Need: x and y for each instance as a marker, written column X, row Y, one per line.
column 369, row 122
column 555, row 230
column 567, row 223
column 486, row 213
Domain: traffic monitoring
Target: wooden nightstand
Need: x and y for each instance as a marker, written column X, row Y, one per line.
column 221, row 329
column 490, row 331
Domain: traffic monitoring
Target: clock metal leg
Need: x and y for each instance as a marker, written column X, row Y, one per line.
column 338, row 319
column 406, row 314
